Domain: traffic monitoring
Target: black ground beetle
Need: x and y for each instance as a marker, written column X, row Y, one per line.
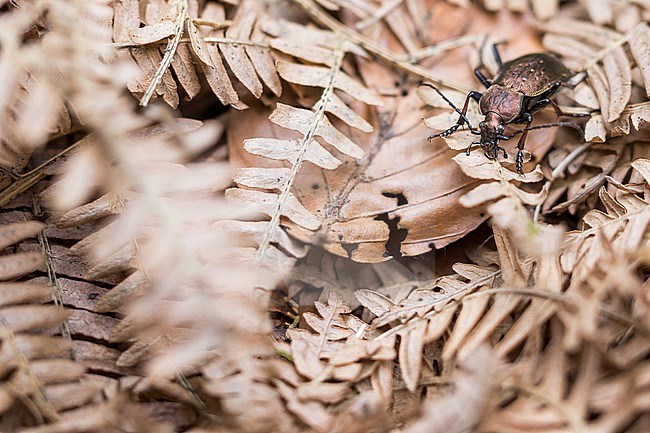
column 521, row 88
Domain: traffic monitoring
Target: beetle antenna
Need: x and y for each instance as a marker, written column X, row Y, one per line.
column 451, row 104
column 546, row 125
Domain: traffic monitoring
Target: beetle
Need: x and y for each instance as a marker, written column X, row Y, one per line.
column 521, row 88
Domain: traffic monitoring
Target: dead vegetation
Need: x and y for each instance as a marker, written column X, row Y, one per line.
column 226, row 216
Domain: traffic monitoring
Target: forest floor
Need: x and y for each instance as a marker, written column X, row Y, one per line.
column 241, row 216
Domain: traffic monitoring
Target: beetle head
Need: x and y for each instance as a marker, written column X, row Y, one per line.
column 491, row 129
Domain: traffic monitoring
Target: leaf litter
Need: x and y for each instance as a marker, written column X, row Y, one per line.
column 274, row 245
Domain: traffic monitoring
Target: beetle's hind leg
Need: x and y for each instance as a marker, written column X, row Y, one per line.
column 497, row 56
column 560, row 113
column 481, row 77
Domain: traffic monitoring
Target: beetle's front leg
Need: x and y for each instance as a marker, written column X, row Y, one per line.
column 462, row 119
column 519, row 160
column 493, row 152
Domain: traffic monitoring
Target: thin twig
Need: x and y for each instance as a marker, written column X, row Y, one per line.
column 385, row 9
column 563, row 298
column 29, row 179
column 39, row 405
column 53, row 281
column 443, row 46
column 207, row 40
column 378, row 50
column 230, row 41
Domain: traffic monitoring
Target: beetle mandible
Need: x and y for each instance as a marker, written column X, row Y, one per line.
column 521, row 88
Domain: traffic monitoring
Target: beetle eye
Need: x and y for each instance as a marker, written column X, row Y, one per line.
column 501, row 128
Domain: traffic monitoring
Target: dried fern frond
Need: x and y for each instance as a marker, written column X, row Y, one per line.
column 273, row 194
column 32, row 105
column 579, row 170
column 621, row 15
column 242, row 46
column 622, row 227
column 182, row 258
column 36, row 365
column 508, row 306
column 600, row 53
column 559, row 392
column 427, row 313
column 341, row 352
column 142, row 176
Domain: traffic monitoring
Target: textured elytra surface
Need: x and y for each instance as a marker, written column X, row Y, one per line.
column 533, row 74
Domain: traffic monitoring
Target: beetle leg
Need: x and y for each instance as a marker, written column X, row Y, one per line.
column 559, row 111
column 541, row 104
column 493, row 152
column 537, row 106
column 462, row 119
column 482, row 77
column 519, row 160
column 469, row 148
column 475, row 95
column 497, row 56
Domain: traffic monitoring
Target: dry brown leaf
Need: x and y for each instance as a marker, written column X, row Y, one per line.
column 173, row 20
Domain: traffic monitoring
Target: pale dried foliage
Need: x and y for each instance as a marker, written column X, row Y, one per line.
column 238, row 273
